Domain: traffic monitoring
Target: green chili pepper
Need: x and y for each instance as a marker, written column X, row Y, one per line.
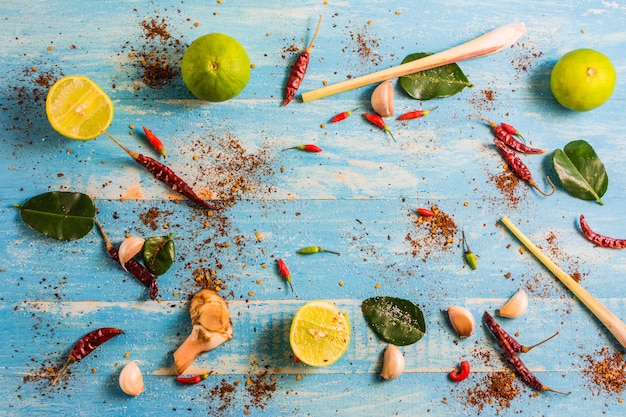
column 159, row 253
column 471, row 259
column 310, row 250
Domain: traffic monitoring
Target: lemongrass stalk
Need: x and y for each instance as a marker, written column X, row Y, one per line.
column 610, row 320
column 489, row 43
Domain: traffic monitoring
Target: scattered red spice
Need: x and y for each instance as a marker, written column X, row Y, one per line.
column 509, row 186
column 366, row 46
column 261, row 388
column 496, row 389
column 605, row 371
column 435, row 233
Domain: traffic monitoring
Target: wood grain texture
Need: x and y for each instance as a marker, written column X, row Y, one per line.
column 357, row 197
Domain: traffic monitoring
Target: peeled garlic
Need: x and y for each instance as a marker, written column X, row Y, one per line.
column 211, row 327
column 393, row 363
column 382, row 99
column 131, row 380
column 129, row 248
column 462, row 320
column 516, row 306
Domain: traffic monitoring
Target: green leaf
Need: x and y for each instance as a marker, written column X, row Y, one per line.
column 580, row 170
column 62, row 215
column 159, row 253
column 395, row 320
column 443, row 81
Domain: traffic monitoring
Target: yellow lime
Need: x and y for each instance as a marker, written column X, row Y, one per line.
column 215, row 67
column 320, row 333
column 78, row 108
column 582, row 79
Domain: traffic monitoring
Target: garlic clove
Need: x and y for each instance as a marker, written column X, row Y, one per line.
column 212, row 326
column 516, row 306
column 382, row 99
column 393, row 363
column 131, row 380
column 462, row 320
column 129, row 248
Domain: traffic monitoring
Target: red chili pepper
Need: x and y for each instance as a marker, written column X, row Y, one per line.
column 500, row 333
column 519, row 168
column 598, row 239
column 379, row 122
column 425, row 212
column 416, row 114
column 284, row 272
column 193, row 380
column 165, row 174
column 508, row 139
column 86, row 345
column 138, row 270
column 154, row 140
column 306, row 148
column 298, row 71
column 459, row 375
column 510, row 354
column 513, row 131
column 342, row 116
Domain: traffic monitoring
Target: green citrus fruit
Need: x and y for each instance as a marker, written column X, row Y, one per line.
column 215, row 67
column 320, row 333
column 582, row 79
column 78, row 109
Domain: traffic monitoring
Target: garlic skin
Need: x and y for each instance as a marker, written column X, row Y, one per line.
column 462, row 321
column 382, row 99
column 130, row 247
column 212, row 326
column 131, row 380
column 393, row 363
column 516, row 306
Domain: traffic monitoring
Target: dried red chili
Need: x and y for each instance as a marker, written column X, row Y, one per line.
column 342, row 116
column 298, row 71
column 519, row 168
column 460, row 374
column 499, row 332
column 193, row 380
column 165, row 174
column 307, row 148
column 378, row 121
column 154, row 141
column 510, row 347
column 138, row 270
column 598, row 239
column 415, row 114
column 86, row 345
column 284, row 272
column 509, row 140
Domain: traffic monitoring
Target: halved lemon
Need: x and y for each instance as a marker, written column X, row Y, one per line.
column 78, row 108
column 320, row 333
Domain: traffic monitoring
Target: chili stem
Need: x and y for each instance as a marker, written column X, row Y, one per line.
column 610, row 320
column 489, row 43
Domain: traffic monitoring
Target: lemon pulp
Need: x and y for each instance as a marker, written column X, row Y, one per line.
column 319, row 334
column 78, row 108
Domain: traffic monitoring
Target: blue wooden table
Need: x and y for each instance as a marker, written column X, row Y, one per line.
column 357, row 197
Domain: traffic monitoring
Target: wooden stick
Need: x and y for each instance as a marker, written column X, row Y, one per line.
column 489, row 43
column 612, row 323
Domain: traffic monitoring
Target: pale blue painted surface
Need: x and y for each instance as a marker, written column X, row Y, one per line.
column 356, row 197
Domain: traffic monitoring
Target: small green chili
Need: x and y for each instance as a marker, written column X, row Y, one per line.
column 471, row 259
column 310, row 250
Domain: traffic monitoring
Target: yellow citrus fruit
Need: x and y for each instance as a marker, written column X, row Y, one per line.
column 78, row 108
column 582, row 79
column 215, row 67
column 320, row 333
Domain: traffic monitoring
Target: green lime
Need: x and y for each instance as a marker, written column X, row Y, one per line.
column 78, row 109
column 215, row 67
column 320, row 333
column 582, row 79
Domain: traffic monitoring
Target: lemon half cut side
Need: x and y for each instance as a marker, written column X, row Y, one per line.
column 78, row 108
